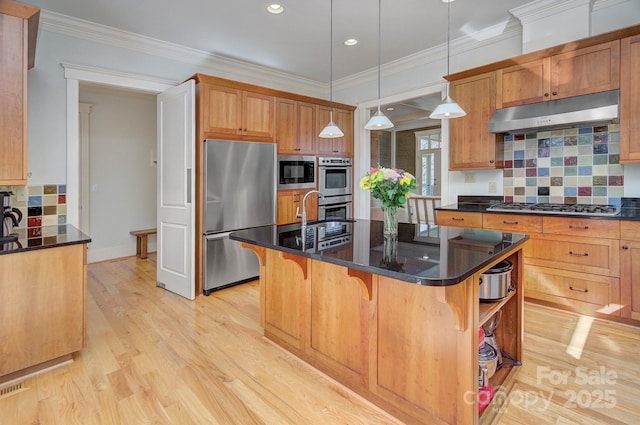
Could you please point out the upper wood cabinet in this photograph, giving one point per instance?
(237, 114)
(295, 127)
(472, 147)
(630, 100)
(588, 70)
(340, 146)
(18, 31)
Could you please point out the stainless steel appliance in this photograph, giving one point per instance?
(296, 172)
(239, 193)
(11, 218)
(335, 176)
(597, 108)
(495, 283)
(335, 207)
(562, 209)
(318, 236)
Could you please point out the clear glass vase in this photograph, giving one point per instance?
(390, 235)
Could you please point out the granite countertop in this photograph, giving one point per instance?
(630, 209)
(437, 256)
(52, 237)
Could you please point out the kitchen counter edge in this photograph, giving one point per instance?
(450, 281)
(631, 214)
(65, 235)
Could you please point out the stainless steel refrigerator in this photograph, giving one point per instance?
(240, 193)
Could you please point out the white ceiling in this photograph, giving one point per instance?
(296, 41)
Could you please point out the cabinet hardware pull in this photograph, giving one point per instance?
(509, 222)
(457, 219)
(571, 226)
(578, 290)
(625, 247)
(586, 254)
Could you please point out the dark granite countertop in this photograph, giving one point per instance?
(52, 237)
(437, 256)
(630, 209)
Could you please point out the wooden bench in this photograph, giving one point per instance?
(141, 241)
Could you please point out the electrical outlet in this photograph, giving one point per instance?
(21, 194)
(493, 187)
(469, 177)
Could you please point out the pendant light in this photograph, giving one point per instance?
(379, 121)
(448, 108)
(331, 131)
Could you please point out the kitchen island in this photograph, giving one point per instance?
(402, 335)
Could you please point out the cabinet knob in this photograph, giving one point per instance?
(491, 161)
(625, 247)
(546, 95)
(555, 93)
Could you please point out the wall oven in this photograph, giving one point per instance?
(296, 172)
(335, 208)
(335, 176)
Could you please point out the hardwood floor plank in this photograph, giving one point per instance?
(154, 357)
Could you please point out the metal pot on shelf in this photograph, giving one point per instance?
(495, 283)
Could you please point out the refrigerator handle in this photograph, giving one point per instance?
(217, 236)
(188, 185)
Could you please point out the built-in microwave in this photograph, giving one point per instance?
(296, 172)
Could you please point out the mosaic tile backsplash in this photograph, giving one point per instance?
(44, 212)
(570, 166)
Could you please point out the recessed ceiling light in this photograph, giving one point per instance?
(275, 8)
(350, 42)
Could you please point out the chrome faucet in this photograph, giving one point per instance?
(304, 207)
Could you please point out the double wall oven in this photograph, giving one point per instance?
(335, 182)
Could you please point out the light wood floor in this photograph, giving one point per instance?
(155, 358)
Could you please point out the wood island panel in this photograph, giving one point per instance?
(410, 349)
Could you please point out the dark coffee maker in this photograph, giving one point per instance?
(11, 218)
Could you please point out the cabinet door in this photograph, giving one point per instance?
(295, 127)
(630, 279)
(340, 146)
(286, 126)
(589, 70)
(221, 110)
(258, 116)
(13, 101)
(630, 100)
(290, 201)
(523, 84)
(472, 147)
(306, 141)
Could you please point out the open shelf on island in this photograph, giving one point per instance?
(489, 309)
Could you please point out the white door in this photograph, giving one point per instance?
(176, 189)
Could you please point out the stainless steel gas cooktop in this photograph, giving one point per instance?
(566, 209)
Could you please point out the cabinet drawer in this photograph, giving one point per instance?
(577, 291)
(630, 230)
(609, 229)
(599, 256)
(459, 219)
(515, 223)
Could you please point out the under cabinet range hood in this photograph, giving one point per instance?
(597, 108)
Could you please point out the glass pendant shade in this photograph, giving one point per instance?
(448, 108)
(378, 121)
(331, 131)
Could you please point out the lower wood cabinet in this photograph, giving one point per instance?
(459, 219)
(630, 269)
(290, 201)
(42, 306)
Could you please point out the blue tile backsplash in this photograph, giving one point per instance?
(569, 166)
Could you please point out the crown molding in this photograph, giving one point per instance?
(541, 9)
(488, 36)
(605, 4)
(217, 64)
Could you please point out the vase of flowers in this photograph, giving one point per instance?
(391, 186)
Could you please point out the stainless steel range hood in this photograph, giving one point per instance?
(597, 108)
